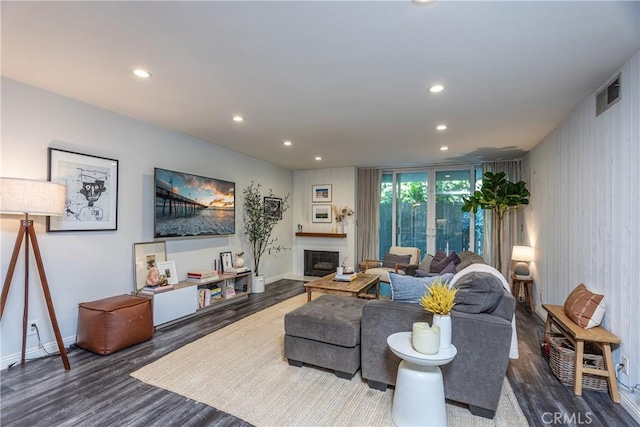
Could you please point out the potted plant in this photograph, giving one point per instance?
(439, 299)
(500, 196)
(260, 217)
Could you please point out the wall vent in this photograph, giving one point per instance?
(608, 96)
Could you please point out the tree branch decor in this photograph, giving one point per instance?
(258, 224)
(500, 196)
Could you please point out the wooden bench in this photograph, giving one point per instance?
(598, 336)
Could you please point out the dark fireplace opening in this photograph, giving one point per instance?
(320, 263)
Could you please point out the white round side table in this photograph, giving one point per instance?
(418, 399)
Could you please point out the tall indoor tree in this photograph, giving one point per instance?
(500, 196)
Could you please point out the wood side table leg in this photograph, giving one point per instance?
(611, 370)
(578, 363)
(529, 295)
(377, 289)
(308, 295)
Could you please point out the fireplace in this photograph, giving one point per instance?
(320, 263)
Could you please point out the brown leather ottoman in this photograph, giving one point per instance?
(111, 324)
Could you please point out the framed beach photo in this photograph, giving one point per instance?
(92, 191)
(168, 270)
(321, 193)
(147, 256)
(226, 259)
(321, 213)
(273, 208)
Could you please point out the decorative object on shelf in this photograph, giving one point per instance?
(524, 255)
(321, 193)
(425, 338)
(273, 208)
(299, 228)
(169, 271)
(439, 299)
(321, 213)
(29, 197)
(258, 227)
(92, 191)
(146, 257)
(500, 196)
(238, 260)
(226, 260)
(342, 214)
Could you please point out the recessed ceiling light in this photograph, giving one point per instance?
(288, 143)
(318, 158)
(143, 74)
(444, 148)
(422, 2)
(441, 127)
(436, 88)
(238, 119)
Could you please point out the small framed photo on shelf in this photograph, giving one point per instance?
(273, 208)
(321, 213)
(168, 270)
(146, 257)
(226, 260)
(321, 193)
(92, 191)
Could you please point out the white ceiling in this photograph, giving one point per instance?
(343, 80)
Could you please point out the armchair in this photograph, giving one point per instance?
(374, 266)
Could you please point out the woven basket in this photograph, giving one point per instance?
(561, 360)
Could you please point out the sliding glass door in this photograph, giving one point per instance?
(422, 208)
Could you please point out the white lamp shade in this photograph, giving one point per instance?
(27, 196)
(522, 253)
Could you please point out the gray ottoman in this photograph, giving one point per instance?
(325, 332)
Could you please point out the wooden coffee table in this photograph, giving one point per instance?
(354, 288)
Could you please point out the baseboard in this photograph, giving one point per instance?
(278, 277)
(35, 352)
(631, 403)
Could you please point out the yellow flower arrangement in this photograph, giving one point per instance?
(439, 298)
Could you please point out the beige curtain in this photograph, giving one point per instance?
(513, 222)
(368, 213)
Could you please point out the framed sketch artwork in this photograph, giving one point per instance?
(273, 208)
(321, 193)
(226, 260)
(321, 213)
(92, 191)
(168, 270)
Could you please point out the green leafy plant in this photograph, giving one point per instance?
(501, 196)
(258, 224)
(439, 297)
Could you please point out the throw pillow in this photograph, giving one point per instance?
(411, 289)
(584, 307)
(478, 293)
(439, 256)
(390, 260)
(451, 268)
(467, 258)
(441, 265)
(423, 273)
(425, 264)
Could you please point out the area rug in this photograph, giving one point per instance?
(241, 370)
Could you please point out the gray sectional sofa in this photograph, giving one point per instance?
(481, 335)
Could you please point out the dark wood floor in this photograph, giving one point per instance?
(98, 390)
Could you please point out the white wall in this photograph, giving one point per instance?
(584, 216)
(85, 266)
(343, 181)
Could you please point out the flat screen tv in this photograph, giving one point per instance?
(188, 205)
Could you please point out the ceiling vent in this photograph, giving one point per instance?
(608, 96)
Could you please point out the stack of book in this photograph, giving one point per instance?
(231, 292)
(216, 293)
(204, 298)
(236, 270)
(345, 277)
(202, 276)
(150, 290)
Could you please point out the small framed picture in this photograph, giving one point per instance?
(146, 257)
(92, 191)
(321, 213)
(226, 260)
(168, 270)
(321, 193)
(273, 208)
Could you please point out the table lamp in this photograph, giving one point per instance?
(524, 255)
(30, 197)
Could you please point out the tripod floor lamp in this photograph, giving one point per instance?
(29, 197)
